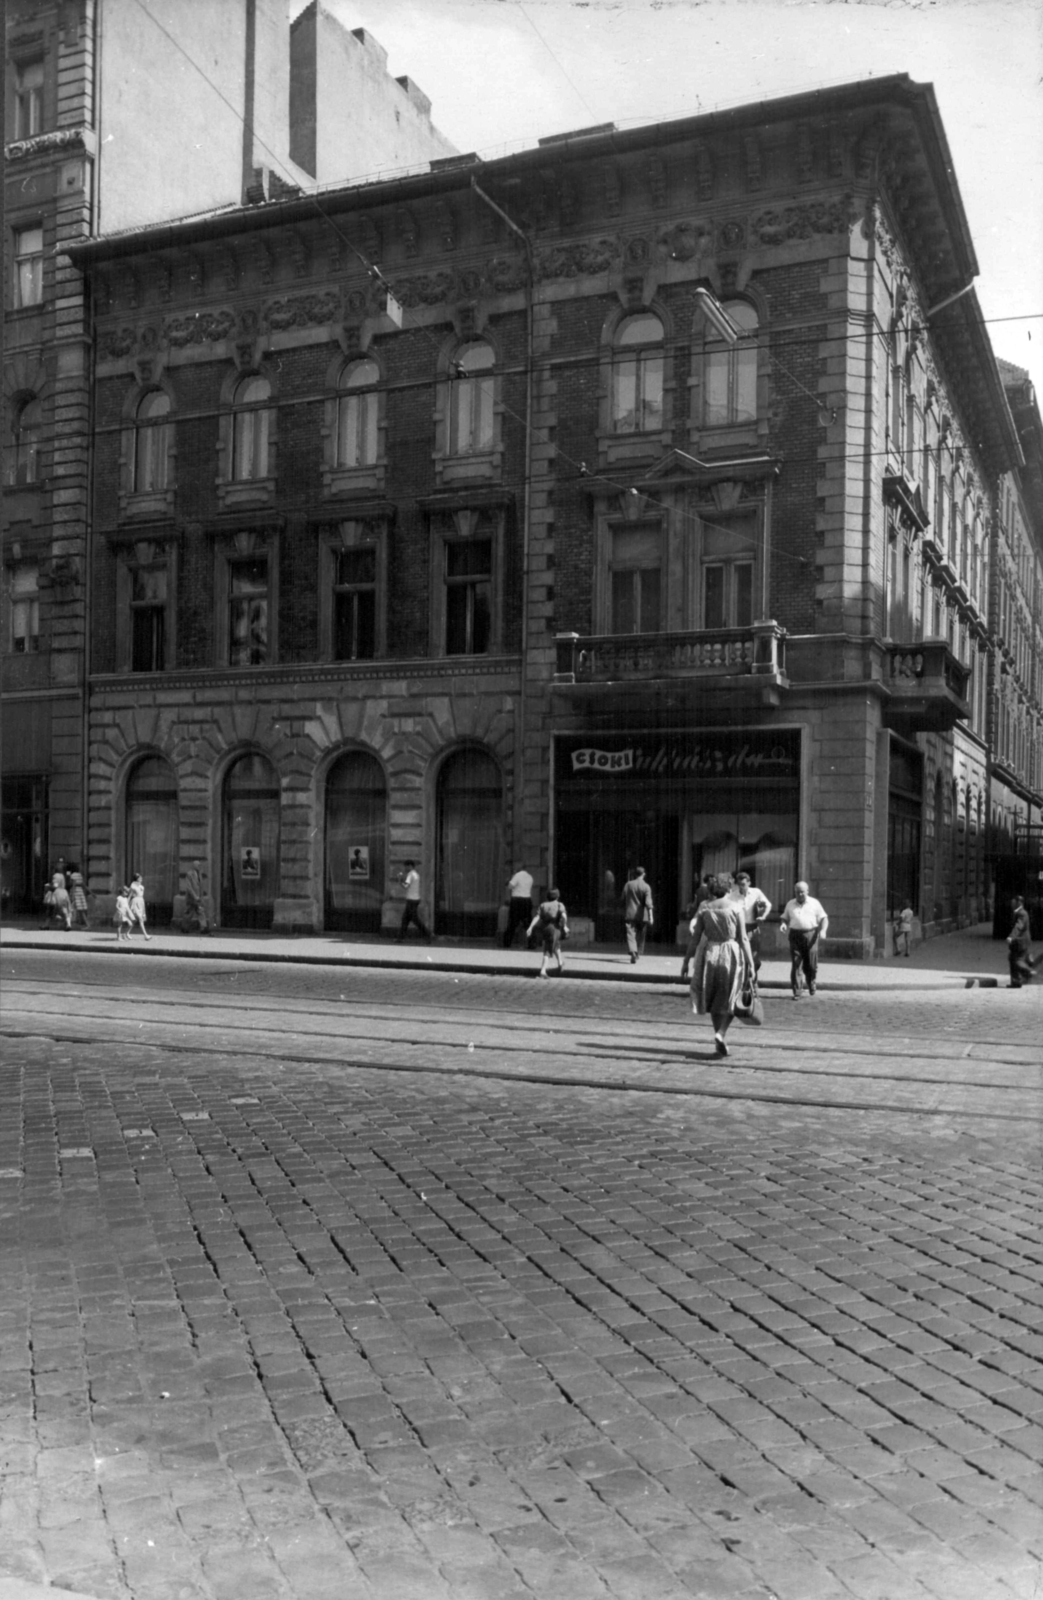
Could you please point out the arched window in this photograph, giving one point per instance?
(470, 845)
(356, 833)
(730, 371)
(151, 834)
(250, 843)
(250, 424)
(637, 375)
(151, 439)
(26, 443)
(471, 395)
(357, 414)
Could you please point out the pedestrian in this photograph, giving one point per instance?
(551, 924)
(723, 958)
(78, 896)
(59, 906)
(806, 922)
(702, 894)
(121, 916)
(903, 929)
(638, 913)
(195, 899)
(136, 896)
(756, 908)
(1019, 946)
(519, 904)
(409, 878)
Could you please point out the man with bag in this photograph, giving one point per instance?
(637, 912)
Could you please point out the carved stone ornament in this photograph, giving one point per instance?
(578, 260)
(637, 251)
(782, 223)
(505, 273)
(303, 311)
(732, 235)
(686, 240)
(426, 289)
(356, 302)
(117, 343)
(205, 327)
(46, 144)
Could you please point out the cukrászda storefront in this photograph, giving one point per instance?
(680, 804)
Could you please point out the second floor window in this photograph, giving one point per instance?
(248, 612)
(357, 415)
(637, 376)
(250, 425)
(28, 100)
(728, 594)
(151, 438)
(26, 440)
(148, 610)
(730, 371)
(24, 590)
(355, 604)
(471, 395)
(468, 596)
(28, 266)
(636, 580)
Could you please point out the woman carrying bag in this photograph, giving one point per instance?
(723, 967)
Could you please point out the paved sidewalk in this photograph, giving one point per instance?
(970, 956)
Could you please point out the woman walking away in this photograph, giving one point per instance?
(58, 904)
(121, 916)
(723, 958)
(137, 904)
(1019, 944)
(78, 895)
(551, 922)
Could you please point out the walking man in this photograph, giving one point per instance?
(755, 908)
(637, 912)
(410, 881)
(806, 922)
(519, 909)
(195, 899)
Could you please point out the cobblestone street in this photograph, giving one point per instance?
(413, 1286)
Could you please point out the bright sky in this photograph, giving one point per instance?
(501, 74)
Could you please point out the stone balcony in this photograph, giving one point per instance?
(928, 687)
(741, 664)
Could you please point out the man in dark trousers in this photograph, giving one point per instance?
(519, 902)
(637, 912)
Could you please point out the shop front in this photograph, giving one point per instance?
(679, 803)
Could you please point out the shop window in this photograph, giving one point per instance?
(24, 451)
(730, 371)
(250, 428)
(637, 375)
(148, 619)
(471, 397)
(470, 874)
(151, 834)
(356, 836)
(635, 578)
(248, 610)
(250, 843)
(357, 415)
(151, 442)
(24, 593)
(28, 99)
(28, 266)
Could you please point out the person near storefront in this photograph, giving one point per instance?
(638, 912)
(806, 922)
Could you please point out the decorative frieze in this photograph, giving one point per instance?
(58, 142)
(780, 224)
(302, 311)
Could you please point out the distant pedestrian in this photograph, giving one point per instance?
(1019, 946)
(638, 912)
(519, 905)
(723, 958)
(409, 878)
(806, 922)
(702, 894)
(550, 925)
(136, 895)
(78, 896)
(756, 908)
(121, 916)
(59, 906)
(903, 930)
(196, 914)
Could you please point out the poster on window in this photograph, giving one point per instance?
(358, 861)
(249, 862)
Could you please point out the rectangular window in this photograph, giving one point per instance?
(25, 608)
(355, 605)
(468, 596)
(148, 609)
(248, 612)
(250, 445)
(728, 594)
(28, 266)
(635, 580)
(472, 416)
(28, 100)
(730, 377)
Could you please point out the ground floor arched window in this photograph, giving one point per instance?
(355, 872)
(250, 843)
(470, 869)
(151, 835)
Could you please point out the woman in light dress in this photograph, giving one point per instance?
(137, 904)
(723, 958)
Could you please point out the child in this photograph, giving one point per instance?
(78, 895)
(122, 918)
(903, 929)
(552, 923)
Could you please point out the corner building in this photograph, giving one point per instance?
(538, 556)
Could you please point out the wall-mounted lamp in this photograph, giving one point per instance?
(716, 315)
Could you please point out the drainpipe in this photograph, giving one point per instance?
(521, 717)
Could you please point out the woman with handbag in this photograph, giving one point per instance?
(723, 963)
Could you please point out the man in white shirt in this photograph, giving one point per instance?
(410, 881)
(519, 908)
(755, 908)
(806, 922)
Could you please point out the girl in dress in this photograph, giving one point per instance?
(121, 916)
(78, 896)
(137, 904)
(723, 958)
